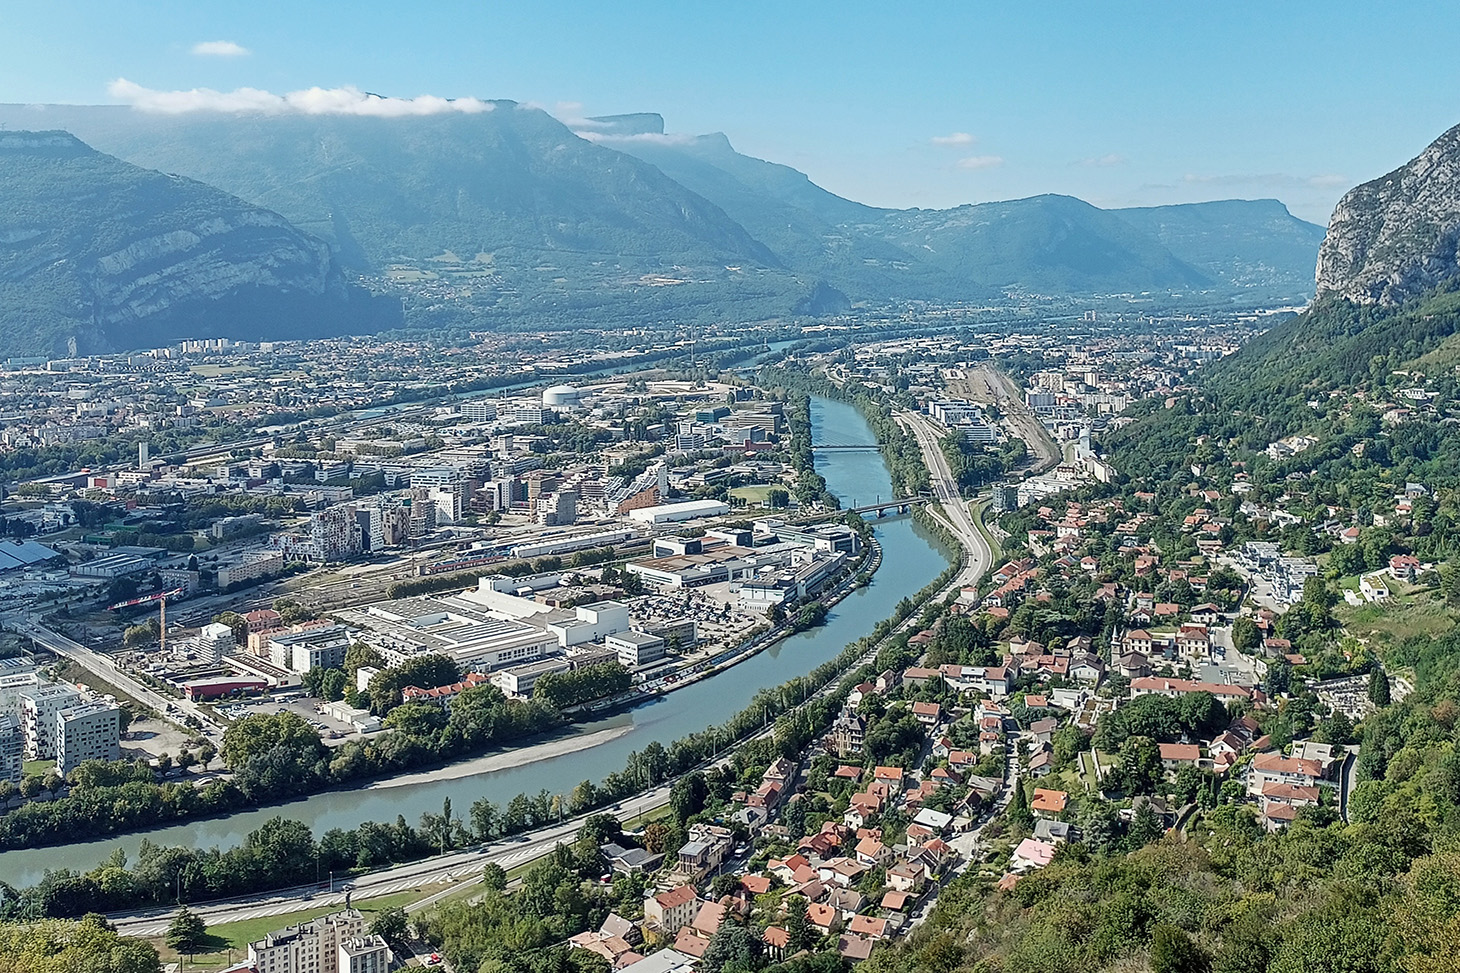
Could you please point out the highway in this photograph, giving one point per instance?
(455, 867)
(105, 667)
(979, 553)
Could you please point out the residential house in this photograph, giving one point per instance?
(668, 912)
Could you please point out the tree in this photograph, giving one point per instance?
(494, 877)
(688, 795)
(359, 655)
(731, 948)
(186, 931)
(1019, 813)
(1279, 677)
(1173, 951)
(1379, 687)
(1245, 636)
(392, 925)
(799, 934)
(52, 945)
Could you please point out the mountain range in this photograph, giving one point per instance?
(509, 217)
(107, 254)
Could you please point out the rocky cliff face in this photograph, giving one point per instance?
(1399, 235)
(117, 256)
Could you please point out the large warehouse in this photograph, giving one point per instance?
(669, 513)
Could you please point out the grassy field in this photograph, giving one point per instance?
(1417, 612)
(759, 493)
(72, 672)
(235, 936)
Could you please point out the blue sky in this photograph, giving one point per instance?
(926, 104)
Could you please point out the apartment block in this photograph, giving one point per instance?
(91, 731)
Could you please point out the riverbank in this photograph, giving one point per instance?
(910, 558)
(571, 743)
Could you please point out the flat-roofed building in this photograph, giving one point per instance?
(91, 731)
(323, 646)
(363, 954)
(12, 749)
(310, 947)
(474, 636)
(38, 708)
(637, 649)
(520, 680)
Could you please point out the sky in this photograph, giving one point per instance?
(929, 104)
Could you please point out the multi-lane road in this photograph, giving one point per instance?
(105, 667)
(455, 868)
(978, 553)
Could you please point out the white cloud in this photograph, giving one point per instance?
(957, 138)
(658, 138)
(1103, 161)
(981, 162)
(311, 101)
(220, 49)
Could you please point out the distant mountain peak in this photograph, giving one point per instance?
(1397, 236)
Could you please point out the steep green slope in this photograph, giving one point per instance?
(1043, 245)
(1251, 244)
(115, 256)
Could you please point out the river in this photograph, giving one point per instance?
(911, 558)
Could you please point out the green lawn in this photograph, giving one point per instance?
(236, 936)
(37, 768)
(759, 493)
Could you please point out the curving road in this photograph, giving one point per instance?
(106, 667)
(978, 553)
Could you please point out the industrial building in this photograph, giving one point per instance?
(637, 649)
(669, 513)
(468, 632)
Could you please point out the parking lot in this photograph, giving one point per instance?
(331, 730)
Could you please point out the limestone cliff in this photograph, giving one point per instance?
(1397, 236)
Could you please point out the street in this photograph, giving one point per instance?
(105, 667)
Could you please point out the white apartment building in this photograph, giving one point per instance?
(38, 709)
(91, 731)
(311, 947)
(363, 954)
(323, 646)
(11, 686)
(252, 566)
